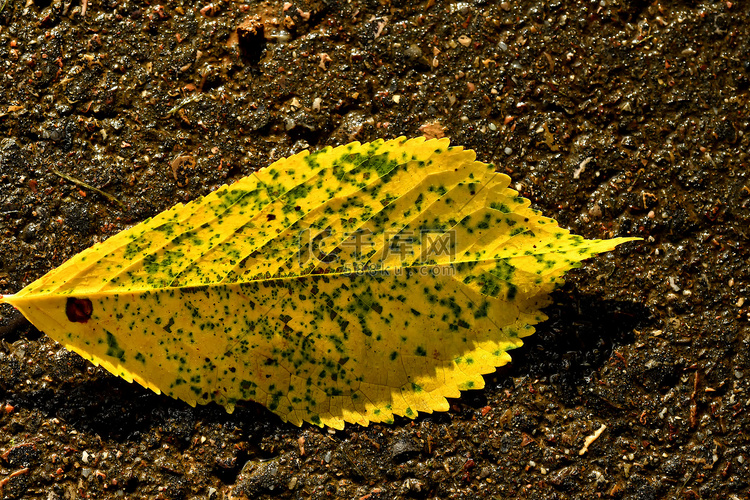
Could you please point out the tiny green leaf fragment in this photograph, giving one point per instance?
(352, 284)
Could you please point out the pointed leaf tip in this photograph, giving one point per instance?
(352, 284)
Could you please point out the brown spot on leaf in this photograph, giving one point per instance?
(78, 310)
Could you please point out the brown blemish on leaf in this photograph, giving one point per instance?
(78, 310)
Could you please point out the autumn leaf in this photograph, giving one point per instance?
(349, 285)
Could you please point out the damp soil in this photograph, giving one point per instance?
(617, 118)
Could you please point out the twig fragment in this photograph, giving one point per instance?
(590, 439)
(87, 186)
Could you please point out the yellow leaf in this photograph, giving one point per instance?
(348, 285)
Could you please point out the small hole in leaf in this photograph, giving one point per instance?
(78, 310)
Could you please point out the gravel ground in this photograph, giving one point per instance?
(618, 118)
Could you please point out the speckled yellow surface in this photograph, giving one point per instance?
(348, 285)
